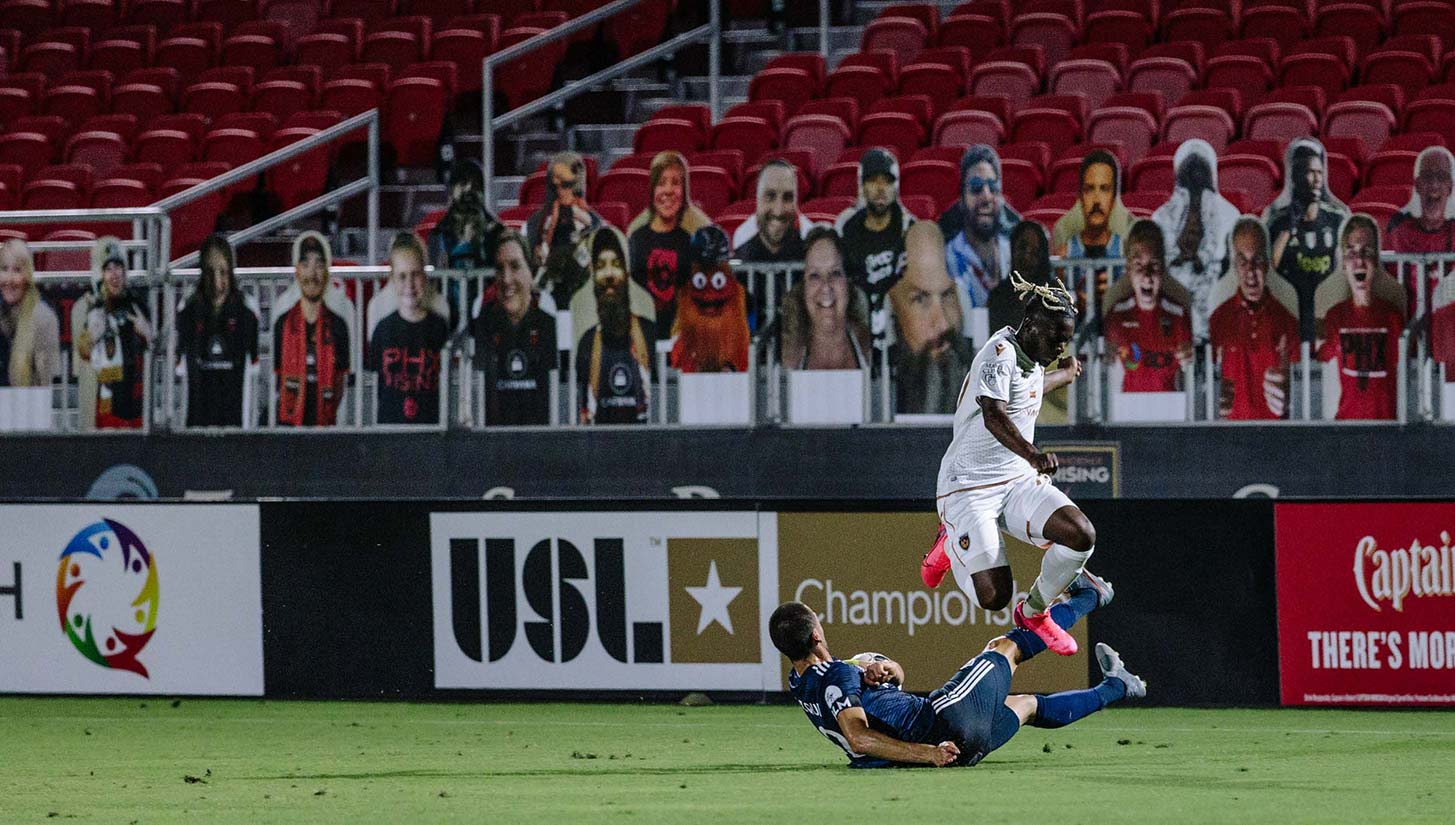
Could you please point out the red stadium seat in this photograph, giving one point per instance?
(1170, 77)
(660, 134)
(1250, 76)
(167, 79)
(1134, 128)
(54, 127)
(1390, 167)
(1369, 121)
(1052, 32)
(917, 106)
(282, 98)
(118, 193)
(74, 103)
(792, 86)
(841, 178)
(466, 48)
(122, 125)
(843, 108)
(1430, 116)
(1151, 174)
(327, 50)
(938, 179)
(997, 78)
(148, 175)
(1207, 122)
(1095, 80)
(350, 97)
(1342, 174)
(967, 127)
(366, 10)
(899, 132)
(1229, 100)
(1411, 71)
(1254, 174)
(301, 178)
(1112, 53)
(712, 187)
(239, 76)
(1020, 180)
(50, 59)
(1426, 18)
(769, 111)
(190, 56)
(417, 107)
(263, 123)
(1032, 151)
(227, 12)
(810, 62)
(74, 173)
(1311, 97)
(392, 48)
(1263, 48)
(1206, 26)
(629, 186)
(260, 52)
(447, 74)
(926, 13)
(933, 80)
(1125, 27)
(164, 14)
(864, 84)
(1282, 122)
(96, 15)
(1326, 71)
(639, 28)
(883, 60)
(824, 137)
(901, 35)
(728, 160)
(1362, 23)
(1030, 54)
(102, 151)
(118, 56)
(752, 135)
(143, 100)
(52, 194)
(975, 32)
(529, 76)
(1056, 127)
(167, 147)
(1285, 26)
(213, 100)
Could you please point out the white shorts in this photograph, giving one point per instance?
(975, 516)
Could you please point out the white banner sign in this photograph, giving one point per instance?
(130, 599)
(636, 601)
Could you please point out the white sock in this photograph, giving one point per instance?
(1059, 567)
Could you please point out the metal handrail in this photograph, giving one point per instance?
(712, 30)
(252, 168)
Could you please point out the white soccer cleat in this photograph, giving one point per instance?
(1112, 668)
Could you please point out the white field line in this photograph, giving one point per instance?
(267, 720)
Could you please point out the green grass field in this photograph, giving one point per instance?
(146, 761)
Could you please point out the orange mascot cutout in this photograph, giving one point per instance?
(712, 314)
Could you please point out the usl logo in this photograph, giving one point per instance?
(711, 600)
(106, 595)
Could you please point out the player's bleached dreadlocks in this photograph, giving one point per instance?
(1054, 298)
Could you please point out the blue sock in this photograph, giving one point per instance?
(1061, 709)
(1064, 614)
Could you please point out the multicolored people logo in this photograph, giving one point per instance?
(94, 592)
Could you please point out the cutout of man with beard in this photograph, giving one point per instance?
(977, 228)
(873, 233)
(1303, 225)
(1094, 227)
(712, 315)
(932, 354)
(614, 358)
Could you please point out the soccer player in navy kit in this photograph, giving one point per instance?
(858, 705)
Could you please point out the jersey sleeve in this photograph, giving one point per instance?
(1329, 349)
(842, 688)
(993, 380)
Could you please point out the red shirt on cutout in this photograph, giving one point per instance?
(1147, 342)
(1365, 343)
(1250, 340)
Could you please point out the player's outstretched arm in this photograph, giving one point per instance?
(998, 422)
(1067, 370)
(864, 739)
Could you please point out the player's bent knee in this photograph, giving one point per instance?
(1082, 535)
(992, 597)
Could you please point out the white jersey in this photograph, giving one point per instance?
(1000, 371)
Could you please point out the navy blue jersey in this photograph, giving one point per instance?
(827, 688)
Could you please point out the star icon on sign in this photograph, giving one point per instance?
(714, 599)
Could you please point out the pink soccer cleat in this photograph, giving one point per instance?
(1056, 638)
(936, 564)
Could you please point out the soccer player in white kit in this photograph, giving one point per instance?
(993, 478)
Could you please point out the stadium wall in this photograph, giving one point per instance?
(865, 463)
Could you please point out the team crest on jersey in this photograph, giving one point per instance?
(965, 542)
(999, 348)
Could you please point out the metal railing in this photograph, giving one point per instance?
(462, 391)
(253, 168)
(711, 31)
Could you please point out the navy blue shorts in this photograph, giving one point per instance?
(970, 708)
